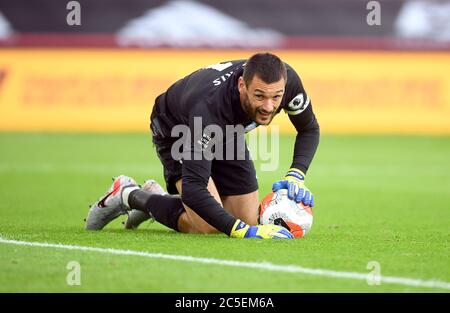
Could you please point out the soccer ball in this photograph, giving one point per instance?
(276, 208)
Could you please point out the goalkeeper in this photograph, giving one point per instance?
(208, 193)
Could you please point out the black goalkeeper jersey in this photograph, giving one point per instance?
(212, 94)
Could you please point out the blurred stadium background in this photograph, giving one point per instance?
(74, 108)
(105, 73)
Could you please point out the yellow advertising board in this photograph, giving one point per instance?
(114, 90)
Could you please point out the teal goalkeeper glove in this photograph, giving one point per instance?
(294, 182)
(268, 231)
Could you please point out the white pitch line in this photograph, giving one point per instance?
(254, 265)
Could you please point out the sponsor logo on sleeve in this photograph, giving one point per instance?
(298, 104)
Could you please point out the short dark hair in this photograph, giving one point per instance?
(268, 67)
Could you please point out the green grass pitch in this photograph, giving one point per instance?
(378, 198)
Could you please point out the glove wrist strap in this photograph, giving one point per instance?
(295, 173)
(239, 229)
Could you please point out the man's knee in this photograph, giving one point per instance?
(187, 223)
(205, 228)
(192, 221)
(244, 207)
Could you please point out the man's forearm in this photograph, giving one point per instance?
(200, 200)
(305, 147)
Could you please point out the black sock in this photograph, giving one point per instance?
(166, 209)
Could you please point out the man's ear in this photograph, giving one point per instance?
(241, 84)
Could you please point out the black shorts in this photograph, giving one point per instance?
(231, 177)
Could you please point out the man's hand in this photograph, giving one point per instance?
(269, 231)
(294, 182)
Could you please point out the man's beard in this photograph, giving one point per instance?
(248, 109)
(251, 112)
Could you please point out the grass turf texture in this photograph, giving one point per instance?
(378, 198)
